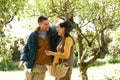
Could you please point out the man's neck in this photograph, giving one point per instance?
(43, 31)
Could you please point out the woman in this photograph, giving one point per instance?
(64, 50)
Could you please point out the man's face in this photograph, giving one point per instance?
(44, 25)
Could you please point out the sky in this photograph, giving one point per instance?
(18, 28)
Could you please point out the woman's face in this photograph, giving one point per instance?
(60, 30)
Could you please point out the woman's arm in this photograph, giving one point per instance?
(67, 49)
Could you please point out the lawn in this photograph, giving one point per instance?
(94, 73)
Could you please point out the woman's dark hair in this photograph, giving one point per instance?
(42, 18)
(65, 25)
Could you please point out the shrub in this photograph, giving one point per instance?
(112, 58)
(98, 62)
(109, 59)
(75, 59)
(10, 66)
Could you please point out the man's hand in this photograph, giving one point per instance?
(70, 16)
(21, 64)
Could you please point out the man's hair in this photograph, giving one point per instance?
(42, 18)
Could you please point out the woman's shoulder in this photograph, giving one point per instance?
(69, 38)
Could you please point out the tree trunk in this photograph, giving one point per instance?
(83, 71)
(84, 75)
(80, 46)
(82, 66)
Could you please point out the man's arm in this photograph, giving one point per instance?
(69, 22)
(23, 56)
(25, 51)
(55, 38)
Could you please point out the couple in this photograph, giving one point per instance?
(44, 43)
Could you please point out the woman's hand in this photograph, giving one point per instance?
(48, 53)
(51, 53)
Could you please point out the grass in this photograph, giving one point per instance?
(101, 72)
(94, 73)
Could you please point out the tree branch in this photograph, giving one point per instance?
(9, 20)
(95, 57)
(79, 32)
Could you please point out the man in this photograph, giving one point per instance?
(33, 55)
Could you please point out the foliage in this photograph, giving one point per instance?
(112, 59)
(9, 9)
(76, 59)
(11, 66)
(16, 48)
(109, 59)
(5, 51)
(99, 62)
(118, 37)
(114, 46)
(9, 52)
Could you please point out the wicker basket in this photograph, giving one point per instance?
(57, 71)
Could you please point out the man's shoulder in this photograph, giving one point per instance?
(53, 32)
(52, 27)
(33, 33)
